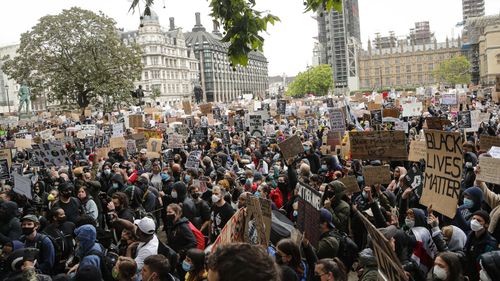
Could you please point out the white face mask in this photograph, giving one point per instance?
(324, 167)
(475, 225)
(174, 194)
(215, 198)
(439, 273)
(409, 222)
(483, 275)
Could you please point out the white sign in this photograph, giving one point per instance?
(118, 130)
(256, 125)
(412, 109)
(88, 130)
(22, 185)
(337, 122)
(475, 121)
(449, 98)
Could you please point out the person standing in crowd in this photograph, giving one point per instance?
(194, 265)
(32, 239)
(10, 226)
(71, 205)
(156, 268)
(221, 212)
(88, 204)
(125, 269)
(330, 270)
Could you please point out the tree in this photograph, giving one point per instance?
(155, 94)
(78, 58)
(453, 71)
(243, 24)
(316, 81)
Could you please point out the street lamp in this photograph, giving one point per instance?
(7, 93)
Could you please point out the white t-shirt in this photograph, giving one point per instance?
(145, 250)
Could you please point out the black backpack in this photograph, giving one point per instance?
(168, 252)
(348, 250)
(107, 262)
(62, 250)
(38, 245)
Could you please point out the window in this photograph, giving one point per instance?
(430, 66)
(155, 74)
(152, 49)
(387, 70)
(398, 80)
(154, 60)
(398, 69)
(146, 75)
(408, 68)
(419, 67)
(408, 79)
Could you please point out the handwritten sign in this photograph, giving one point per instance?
(486, 142)
(118, 130)
(381, 145)
(412, 109)
(350, 183)
(7, 155)
(418, 150)
(291, 147)
(489, 170)
(206, 108)
(376, 175)
(308, 209)
(281, 107)
(388, 263)
(443, 171)
(135, 121)
(117, 142)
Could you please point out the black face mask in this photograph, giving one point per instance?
(195, 195)
(170, 219)
(279, 259)
(27, 230)
(65, 194)
(61, 219)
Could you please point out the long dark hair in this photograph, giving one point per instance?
(197, 257)
(454, 265)
(288, 247)
(335, 266)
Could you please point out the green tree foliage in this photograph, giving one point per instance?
(155, 94)
(453, 71)
(78, 58)
(316, 81)
(243, 24)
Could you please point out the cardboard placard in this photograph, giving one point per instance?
(486, 142)
(418, 150)
(489, 170)
(87, 113)
(443, 171)
(175, 141)
(154, 147)
(308, 218)
(149, 110)
(118, 130)
(148, 134)
(376, 175)
(291, 147)
(206, 108)
(255, 228)
(135, 121)
(117, 142)
(193, 160)
(23, 143)
(281, 107)
(436, 123)
(390, 112)
(464, 119)
(7, 155)
(102, 152)
(388, 263)
(350, 183)
(380, 145)
(4, 169)
(374, 106)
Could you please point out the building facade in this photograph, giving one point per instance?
(404, 66)
(339, 38)
(169, 65)
(472, 8)
(219, 81)
(489, 55)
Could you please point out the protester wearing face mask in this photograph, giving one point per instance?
(117, 184)
(105, 177)
(221, 212)
(450, 238)
(68, 203)
(473, 196)
(312, 157)
(32, 239)
(194, 265)
(63, 230)
(202, 215)
(479, 241)
(179, 196)
(10, 226)
(447, 267)
(179, 235)
(490, 266)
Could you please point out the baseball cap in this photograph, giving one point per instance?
(326, 216)
(146, 225)
(32, 218)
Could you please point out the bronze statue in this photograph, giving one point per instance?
(24, 97)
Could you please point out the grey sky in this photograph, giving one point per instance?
(289, 43)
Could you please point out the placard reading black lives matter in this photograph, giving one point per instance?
(443, 171)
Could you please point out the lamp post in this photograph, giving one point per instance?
(7, 94)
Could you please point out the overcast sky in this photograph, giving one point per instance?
(289, 43)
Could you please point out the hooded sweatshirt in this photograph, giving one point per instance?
(10, 227)
(339, 208)
(86, 235)
(188, 206)
(464, 214)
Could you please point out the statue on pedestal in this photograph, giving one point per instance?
(24, 97)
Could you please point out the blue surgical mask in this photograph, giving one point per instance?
(187, 178)
(306, 148)
(186, 266)
(295, 213)
(409, 223)
(468, 203)
(364, 194)
(257, 194)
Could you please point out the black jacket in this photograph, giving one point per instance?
(180, 237)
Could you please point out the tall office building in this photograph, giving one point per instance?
(472, 8)
(339, 37)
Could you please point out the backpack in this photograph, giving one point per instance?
(107, 263)
(168, 252)
(348, 250)
(200, 238)
(62, 250)
(39, 245)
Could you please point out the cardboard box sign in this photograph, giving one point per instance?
(379, 145)
(291, 147)
(391, 112)
(376, 175)
(418, 150)
(186, 105)
(135, 121)
(486, 142)
(489, 170)
(350, 183)
(442, 181)
(206, 108)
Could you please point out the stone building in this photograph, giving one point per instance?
(169, 65)
(489, 54)
(405, 65)
(219, 81)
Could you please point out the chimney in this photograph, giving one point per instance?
(172, 23)
(198, 27)
(198, 19)
(216, 28)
